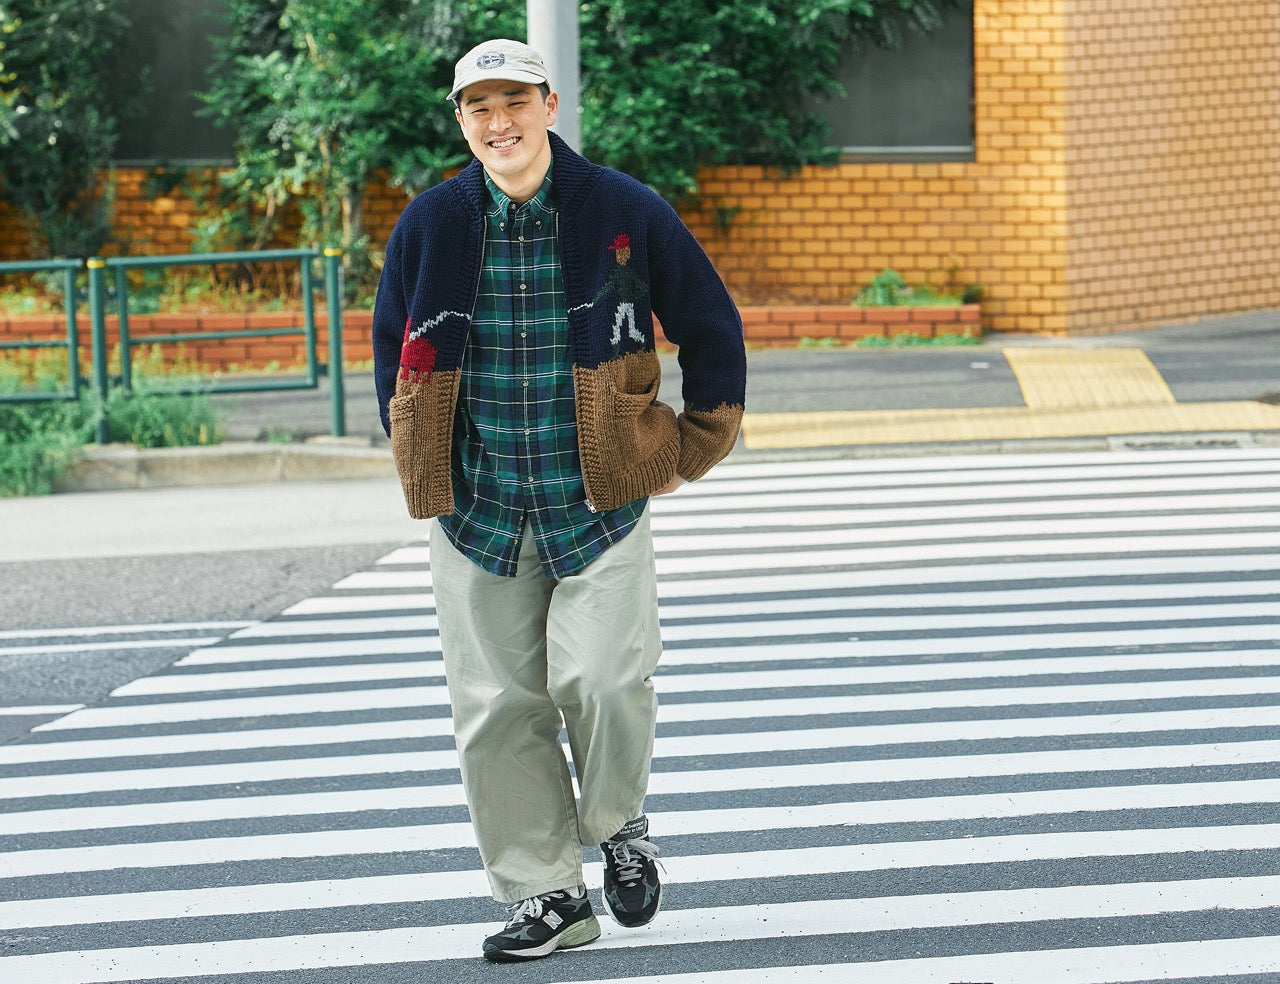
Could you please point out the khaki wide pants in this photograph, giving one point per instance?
(522, 653)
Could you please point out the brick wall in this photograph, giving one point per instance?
(1173, 123)
(13, 239)
(288, 351)
(762, 326)
(1123, 177)
(999, 221)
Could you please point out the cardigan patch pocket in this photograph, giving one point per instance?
(410, 447)
(639, 425)
(400, 411)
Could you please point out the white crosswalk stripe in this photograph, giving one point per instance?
(1000, 718)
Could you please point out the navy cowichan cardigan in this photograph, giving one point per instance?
(626, 257)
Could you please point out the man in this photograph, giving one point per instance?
(517, 378)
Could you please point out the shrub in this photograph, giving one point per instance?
(150, 418)
(888, 289)
(153, 415)
(38, 440)
(55, 135)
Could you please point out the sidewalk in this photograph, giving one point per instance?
(1212, 383)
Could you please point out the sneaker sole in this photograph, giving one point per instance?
(579, 934)
(632, 925)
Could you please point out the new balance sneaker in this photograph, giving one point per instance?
(543, 924)
(632, 892)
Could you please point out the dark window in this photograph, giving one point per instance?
(914, 102)
(166, 64)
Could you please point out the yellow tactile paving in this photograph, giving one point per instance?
(805, 430)
(1067, 378)
(1069, 393)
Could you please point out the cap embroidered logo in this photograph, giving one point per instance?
(491, 59)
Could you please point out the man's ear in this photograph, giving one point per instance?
(553, 104)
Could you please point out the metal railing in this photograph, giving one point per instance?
(71, 343)
(119, 266)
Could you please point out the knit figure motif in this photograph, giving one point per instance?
(629, 288)
(418, 355)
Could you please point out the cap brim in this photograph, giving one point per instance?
(510, 75)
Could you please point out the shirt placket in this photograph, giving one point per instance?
(525, 300)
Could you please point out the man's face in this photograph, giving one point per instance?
(505, 124)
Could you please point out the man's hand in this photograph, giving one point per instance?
(671, 486)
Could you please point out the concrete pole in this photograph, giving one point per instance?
(553, 32)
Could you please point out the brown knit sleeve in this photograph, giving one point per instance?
(705, 438)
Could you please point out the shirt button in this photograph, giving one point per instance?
(524, 334)
(530, 479)
(526, 432)
(524, 286)
(521, 238)
(526, 382)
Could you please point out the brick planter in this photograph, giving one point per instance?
(783, 326)
(768, 326)
(286, 350)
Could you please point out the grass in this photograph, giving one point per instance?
(40, 439)
(907, 340)
(888, 289)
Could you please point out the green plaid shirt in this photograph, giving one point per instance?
(515, 442)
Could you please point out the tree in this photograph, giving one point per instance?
(321, 94)
(668, 88)
(55, 135)
(324, 93)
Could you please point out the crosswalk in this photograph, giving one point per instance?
(969, 719)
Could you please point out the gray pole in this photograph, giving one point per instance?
(553, 31)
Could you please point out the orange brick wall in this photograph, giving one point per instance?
(763, 327)
(999, 221)
(288, 351)
(1173, 129)
(14, 244)
(1124, 176)
(150, 225)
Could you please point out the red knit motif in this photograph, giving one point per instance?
(417, 357)
(620, 241)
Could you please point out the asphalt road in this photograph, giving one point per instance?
(1228, 359)
(1004, 718)
(137, 561)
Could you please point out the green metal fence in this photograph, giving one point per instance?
(70, 344)
(98, 270)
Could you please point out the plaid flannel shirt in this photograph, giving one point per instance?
(515, 444)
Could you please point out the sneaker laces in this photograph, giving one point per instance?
(630, 855)
(531, 908)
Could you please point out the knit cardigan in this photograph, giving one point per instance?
(626, 257)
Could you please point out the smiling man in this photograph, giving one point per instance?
(524, 422)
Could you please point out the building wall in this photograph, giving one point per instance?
(1124, 176)
(1173, 128)
(999, 221)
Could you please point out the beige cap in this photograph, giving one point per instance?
(500, 58)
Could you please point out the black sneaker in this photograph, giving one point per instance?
(632, 892)
(543, 924)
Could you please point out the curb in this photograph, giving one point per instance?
(1043, 445)
(123, 467)
(117, 467)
